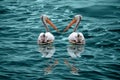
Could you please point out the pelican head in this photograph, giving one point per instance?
(46, 21)
(76, 20)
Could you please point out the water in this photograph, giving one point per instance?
(22, 59)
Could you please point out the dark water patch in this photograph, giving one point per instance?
(21, 19)
(117, 48)
(1, 0)
(114, 30)
(2, 28)
(42, 79)
(88, 56)
(8, 16)
(98, 30)
(4, 77)
(25, 42)
(87, 35)
(3, 10)
(15, 64)
(111, 71)
(48, 6)
(113, 66)
(106, 40)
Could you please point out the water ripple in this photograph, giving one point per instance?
(21, 57)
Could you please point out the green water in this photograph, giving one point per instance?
(22, 59)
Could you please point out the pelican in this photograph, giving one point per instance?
(75, 37)
(47, 37)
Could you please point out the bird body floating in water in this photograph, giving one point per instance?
(75, 37)
(47, 37)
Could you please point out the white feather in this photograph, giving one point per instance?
(73, 37)
(48, 36)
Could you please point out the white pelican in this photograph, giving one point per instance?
(75, 37)
(47, 37)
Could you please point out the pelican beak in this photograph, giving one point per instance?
(71, 23)
(51, 24)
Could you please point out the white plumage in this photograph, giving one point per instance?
(76, 37)
(45, 38)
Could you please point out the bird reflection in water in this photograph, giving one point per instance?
(49, 68)
(74, 51)
(47, 51)
(74, 70)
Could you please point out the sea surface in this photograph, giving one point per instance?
(21, 58)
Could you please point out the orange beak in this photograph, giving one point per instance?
(51, 24)
(71, 23)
